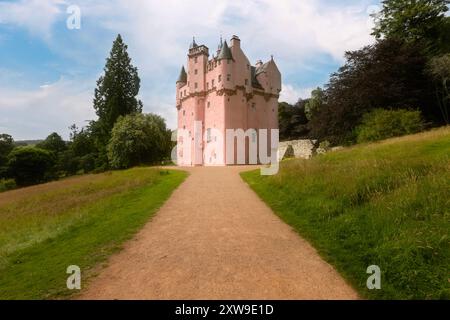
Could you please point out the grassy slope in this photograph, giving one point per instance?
(386, 204)
(80, 221)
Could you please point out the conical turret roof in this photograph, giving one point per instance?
(183, 76)
(225, 52)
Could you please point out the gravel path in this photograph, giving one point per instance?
(215, 239)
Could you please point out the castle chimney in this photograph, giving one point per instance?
(235, 42)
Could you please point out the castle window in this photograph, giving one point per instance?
(184, 112)
(195, 85)
(220, 78)
(208, 135)
(246, 82)
(228, 77)
(181, 94)
(209, 104)
(185, 92)
(195, 60)
(253, 106)
(195, 71)
(212, 82)
(207, 85)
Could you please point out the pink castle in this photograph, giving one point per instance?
(224, 92)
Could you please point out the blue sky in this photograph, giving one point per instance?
(48, 72)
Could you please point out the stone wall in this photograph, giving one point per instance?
(304, 148)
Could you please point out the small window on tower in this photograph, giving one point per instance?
(195, 85)
(220, 78)
(184, 112)
(195, 60)
(185, 92)
(209, 104)
(212, 82)
(195, 71)
(207, 85)
(246, 82)
(228, 77)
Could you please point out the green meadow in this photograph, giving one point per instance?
(385, 204)
(77, 221)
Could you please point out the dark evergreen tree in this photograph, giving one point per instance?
(116, 90)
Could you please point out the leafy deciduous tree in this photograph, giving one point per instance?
(30, 165)
(138, 139)
(411, 20)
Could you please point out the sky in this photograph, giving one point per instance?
(48, 71)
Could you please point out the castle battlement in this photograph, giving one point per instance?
(223, 92)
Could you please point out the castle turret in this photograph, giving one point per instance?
(225, 52)
(181, 82)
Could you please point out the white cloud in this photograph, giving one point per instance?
(33, 114)
(291, 93)
(37, 16)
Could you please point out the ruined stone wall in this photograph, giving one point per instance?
(304, 148)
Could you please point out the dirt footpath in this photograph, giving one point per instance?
(215, 239)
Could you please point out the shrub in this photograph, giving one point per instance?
(7, 184)
(381, 124)
(30, 165)
(138, 139)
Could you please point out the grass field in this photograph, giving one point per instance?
(385, 204)
(77, 221)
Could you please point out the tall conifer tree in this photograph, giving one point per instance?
(116, 90)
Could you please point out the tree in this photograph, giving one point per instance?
(381, 124)
(292, 120)
(439, 69)
(30, 165)
(6, 146)
(411, 20)
(53, 143)
(389, 74)
(315, 103)
(138, 139)
(116, 90)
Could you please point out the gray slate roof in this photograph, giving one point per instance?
(225, 52)
(183, 76)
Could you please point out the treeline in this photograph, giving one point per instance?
(396, 86)
(121, 137)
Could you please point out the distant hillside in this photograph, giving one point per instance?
(27, 142)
